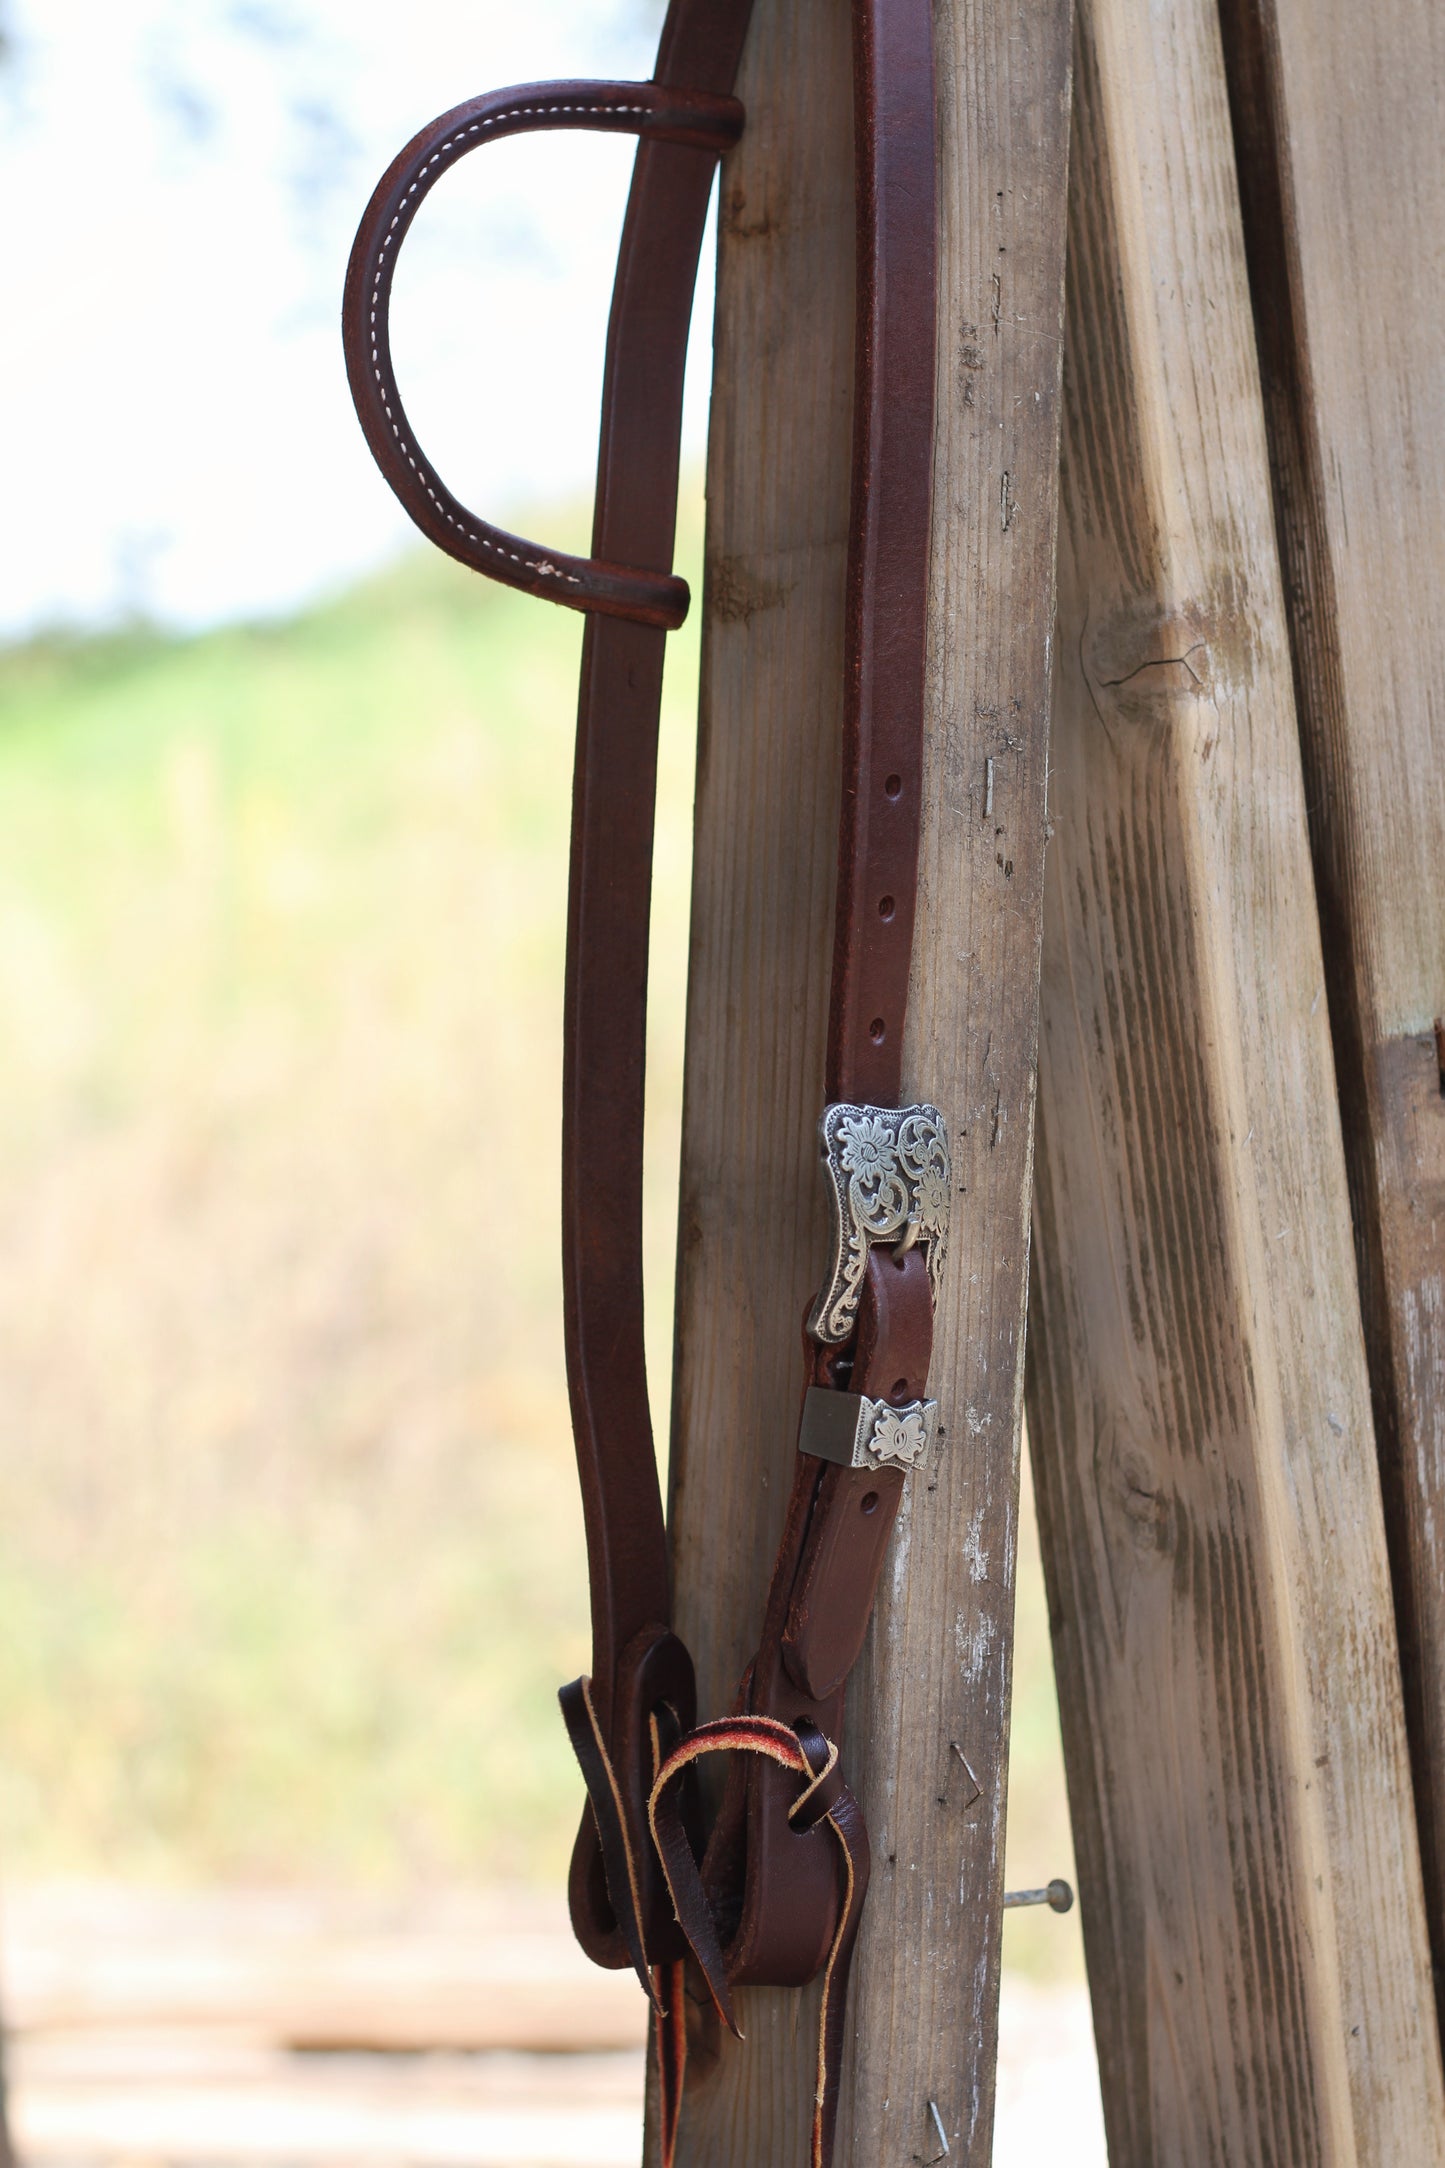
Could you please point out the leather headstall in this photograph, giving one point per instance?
(773, 1892)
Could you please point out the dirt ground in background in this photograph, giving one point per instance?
(464, 2031)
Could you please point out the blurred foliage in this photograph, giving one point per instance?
(290, 1557)
(290, 1564)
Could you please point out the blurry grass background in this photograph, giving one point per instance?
(290, 1556)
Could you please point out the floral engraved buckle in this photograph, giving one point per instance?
(889, 1179)
(858, 1432)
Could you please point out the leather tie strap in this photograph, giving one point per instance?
(824, 1800)
(774, 1892)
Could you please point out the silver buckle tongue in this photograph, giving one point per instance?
(861, 1433)
(889, 1180)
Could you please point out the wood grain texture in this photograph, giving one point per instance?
(930, 1698)
(1342, 168)
(1199, 1405)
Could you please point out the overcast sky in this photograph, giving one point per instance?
(185, 177)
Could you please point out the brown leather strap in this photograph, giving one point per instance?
(605, 1013)
(684, 117)
(775, 1897)
(669, 2054)
(768, 1902)
(893, 98)
(839, 1520)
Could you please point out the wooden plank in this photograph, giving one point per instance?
(1199, 1405)
(301, 1970)
(184, 2096)
(930, 1701)
(1342, 165)
(157, 2025)
(186, 2101)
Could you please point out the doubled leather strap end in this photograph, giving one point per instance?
(621, 1912)
(622, 1861)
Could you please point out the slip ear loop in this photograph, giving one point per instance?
(824, 1797)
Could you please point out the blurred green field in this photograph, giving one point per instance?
(290, 1562)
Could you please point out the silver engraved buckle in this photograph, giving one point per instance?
(889, 1180)
(857, 1432)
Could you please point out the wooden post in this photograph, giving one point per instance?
(1199, 1406)
(927, 1734)
(1342, 166)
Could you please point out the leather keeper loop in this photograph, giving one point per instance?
(818, 1801)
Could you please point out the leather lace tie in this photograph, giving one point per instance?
(773, 1892)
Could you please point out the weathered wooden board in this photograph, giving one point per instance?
(1199, 1405)
(480, 1972)
(159, 2026)
(928, 1721)
(1342, 165)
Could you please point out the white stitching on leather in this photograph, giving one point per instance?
(541, 566)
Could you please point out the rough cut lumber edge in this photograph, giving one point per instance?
(1342, 170)
(1199, 1407)
(930, 1759)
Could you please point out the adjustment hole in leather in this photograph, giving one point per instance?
(900, 1389)
(877, 1031)
(886, 907)
(893, 786)
(868, 1503)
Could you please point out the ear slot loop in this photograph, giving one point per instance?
(692, 119)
